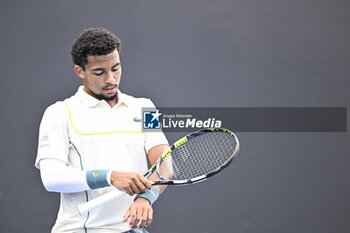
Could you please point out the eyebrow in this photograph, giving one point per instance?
(99, 69)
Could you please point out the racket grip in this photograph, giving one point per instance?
(100, 201)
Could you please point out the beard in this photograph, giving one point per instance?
(107, 97)
(104, 97)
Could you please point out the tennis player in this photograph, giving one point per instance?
(91, 143)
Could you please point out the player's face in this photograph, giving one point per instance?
(101, 76)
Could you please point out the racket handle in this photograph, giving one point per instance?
(100, 201)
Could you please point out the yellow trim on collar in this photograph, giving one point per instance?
(94, 133)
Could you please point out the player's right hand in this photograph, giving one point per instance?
(130, 182)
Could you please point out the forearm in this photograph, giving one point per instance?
(161, 188)
(58, 177)
(153, 194)
(153, 156)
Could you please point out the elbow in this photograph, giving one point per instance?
(49, 186)
(49, 173)
(46, 178)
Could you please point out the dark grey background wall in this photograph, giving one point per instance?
(186, 54)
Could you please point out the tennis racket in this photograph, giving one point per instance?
(192, 159)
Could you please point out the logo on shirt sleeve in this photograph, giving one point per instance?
(44, 138)
(44, 141)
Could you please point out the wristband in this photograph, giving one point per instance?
(150, 194)
(97, 179)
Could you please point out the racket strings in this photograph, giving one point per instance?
(200, 155)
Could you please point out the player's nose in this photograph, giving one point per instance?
(110, 77)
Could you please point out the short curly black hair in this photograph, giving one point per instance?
(93, 41)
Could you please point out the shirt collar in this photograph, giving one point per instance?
(91, 101)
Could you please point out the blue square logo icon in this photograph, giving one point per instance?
(152, 119)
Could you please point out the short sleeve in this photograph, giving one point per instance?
(53, 140)
(153, 139)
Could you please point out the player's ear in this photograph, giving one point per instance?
(79, 71)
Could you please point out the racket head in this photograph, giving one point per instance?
(197, 156)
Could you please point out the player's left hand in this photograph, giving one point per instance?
(139, 212)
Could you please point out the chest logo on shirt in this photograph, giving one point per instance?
(137, 119)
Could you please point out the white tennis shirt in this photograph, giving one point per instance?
(87, 134)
